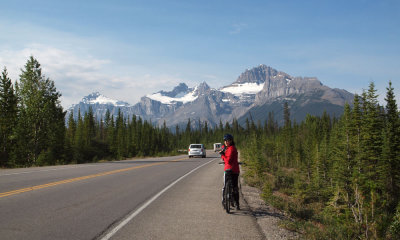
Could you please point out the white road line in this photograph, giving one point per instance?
(134, 214)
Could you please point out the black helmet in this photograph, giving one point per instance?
(228, 137)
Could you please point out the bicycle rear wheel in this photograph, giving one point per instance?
(228, 196)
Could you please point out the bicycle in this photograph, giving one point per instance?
(228, 200)
(228, 192)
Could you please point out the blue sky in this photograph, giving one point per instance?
(127, 49)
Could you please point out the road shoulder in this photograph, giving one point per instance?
(267, 217)
(192, 209)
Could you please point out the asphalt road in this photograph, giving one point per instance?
(153, 198)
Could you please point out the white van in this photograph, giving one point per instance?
(217, 147)
(197, 150)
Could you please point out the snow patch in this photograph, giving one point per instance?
(100, 99)
(289, 99)
(245, 88)
(184, 98)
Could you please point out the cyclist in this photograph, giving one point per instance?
(229, 155)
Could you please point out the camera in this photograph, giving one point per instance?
(222, 152)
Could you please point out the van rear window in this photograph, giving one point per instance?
(195, 146)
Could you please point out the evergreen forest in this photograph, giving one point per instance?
(338, 177)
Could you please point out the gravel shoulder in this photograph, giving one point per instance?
(267, 217)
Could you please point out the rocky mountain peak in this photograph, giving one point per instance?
(92, 96)
(202, 88)
(257, 75)
(181, 88)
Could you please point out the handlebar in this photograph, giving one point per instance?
(240, 163)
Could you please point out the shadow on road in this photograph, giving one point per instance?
(243, 212)
(265, 213)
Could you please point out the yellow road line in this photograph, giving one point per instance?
(22, 190)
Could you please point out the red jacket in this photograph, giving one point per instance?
(231, 159)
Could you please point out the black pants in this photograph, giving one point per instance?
(235, 182)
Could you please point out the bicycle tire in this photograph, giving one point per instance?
(228, 196)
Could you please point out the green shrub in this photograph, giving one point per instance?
(394, 229)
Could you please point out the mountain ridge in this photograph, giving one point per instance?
(261, 88)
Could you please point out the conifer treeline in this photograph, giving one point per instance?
(90, 140)
(341, 176)
(33, 130)
(120, 138)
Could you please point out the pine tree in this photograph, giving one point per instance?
(78, 146)
(248, 128)
(132, 141)
(286, 114)
(221, 126)
(343, 155)
(8, 117)
(89, 127)
(235, 126)
(324, 154)
(121, 136)
(372, 138)
(392, 149)
(111, 138)
(188, 131)
(371, 177)
(100, 133)
(138, 136)
(227, 127)
(41, 116)
(55, 153)
(271, 124)
(69, 138)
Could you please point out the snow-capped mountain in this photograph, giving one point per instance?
(156, 107)
(303, 94)
(210, 105)
(251, 81)
(180, 93)
(99, 104)
(97, 98)
(256, 92)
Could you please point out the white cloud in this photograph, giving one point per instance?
(53, 61)
(80, 65)
(71, 72)
(76, 75)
